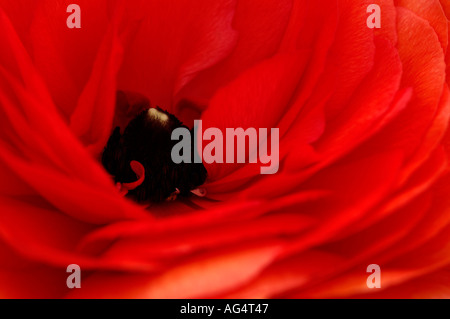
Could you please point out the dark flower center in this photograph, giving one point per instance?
(147, 141)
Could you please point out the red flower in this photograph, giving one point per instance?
(363, 176)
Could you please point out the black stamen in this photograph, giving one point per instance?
(147, 139)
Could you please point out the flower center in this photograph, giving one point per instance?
(140, 158)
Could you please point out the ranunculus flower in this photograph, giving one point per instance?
(363, 178)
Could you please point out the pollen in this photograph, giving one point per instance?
(160, 116)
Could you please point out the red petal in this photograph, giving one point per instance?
(431, 11)
(92, 119)
(203, 276)
(175, 40)
(256, 99)
(260, 26)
